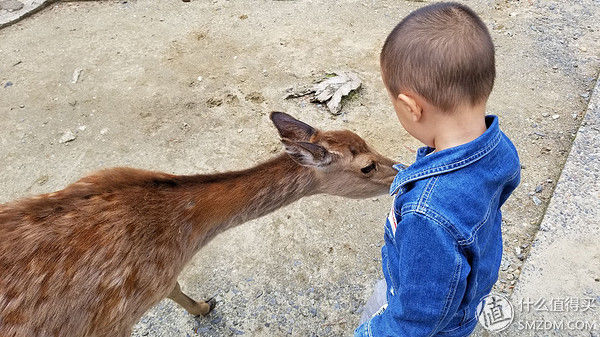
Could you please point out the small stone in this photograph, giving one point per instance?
(555, 116)
(510, 277)
(22, 106)
(199, 78)
(76, 74)
(82, 128)
(240, 130)
(42, 180)
(67, 136)
(585, 95)
(518, 250)
(104, 131)
(11, 5)
(539, 188)
(8, 84)
(236, 331)
(536, 200)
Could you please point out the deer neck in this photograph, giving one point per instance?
(221, 201)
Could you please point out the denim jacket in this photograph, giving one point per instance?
(443, 242)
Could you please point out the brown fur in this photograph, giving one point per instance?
(89, 260)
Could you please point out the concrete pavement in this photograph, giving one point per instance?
(558, 292)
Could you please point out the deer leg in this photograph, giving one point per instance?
(193, 307)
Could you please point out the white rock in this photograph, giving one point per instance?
(67, 136)
(11, 5)
(76, 75)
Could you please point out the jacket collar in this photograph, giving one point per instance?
(430, 164)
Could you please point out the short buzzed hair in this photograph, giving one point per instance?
(442, 52)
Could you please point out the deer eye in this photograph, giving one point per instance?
(369, 168)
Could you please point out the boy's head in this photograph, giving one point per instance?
(439, 59)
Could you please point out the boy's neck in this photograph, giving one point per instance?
(459, 127)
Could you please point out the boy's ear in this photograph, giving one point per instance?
(291, 128)
(412, 105)
(307, 154)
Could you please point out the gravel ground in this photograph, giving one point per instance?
(187, 87)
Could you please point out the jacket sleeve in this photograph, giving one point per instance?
(431, 280)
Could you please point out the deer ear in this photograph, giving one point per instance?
(307, 154)
(291, 128)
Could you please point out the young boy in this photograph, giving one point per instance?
(443, 242)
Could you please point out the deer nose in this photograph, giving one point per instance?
(390, 180)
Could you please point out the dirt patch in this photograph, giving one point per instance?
(255, 97)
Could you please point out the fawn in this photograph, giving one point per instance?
(89, 260)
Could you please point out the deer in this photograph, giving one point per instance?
(91, 259)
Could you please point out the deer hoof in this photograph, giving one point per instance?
(212, 303)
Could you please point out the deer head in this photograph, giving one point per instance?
(343, 163)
